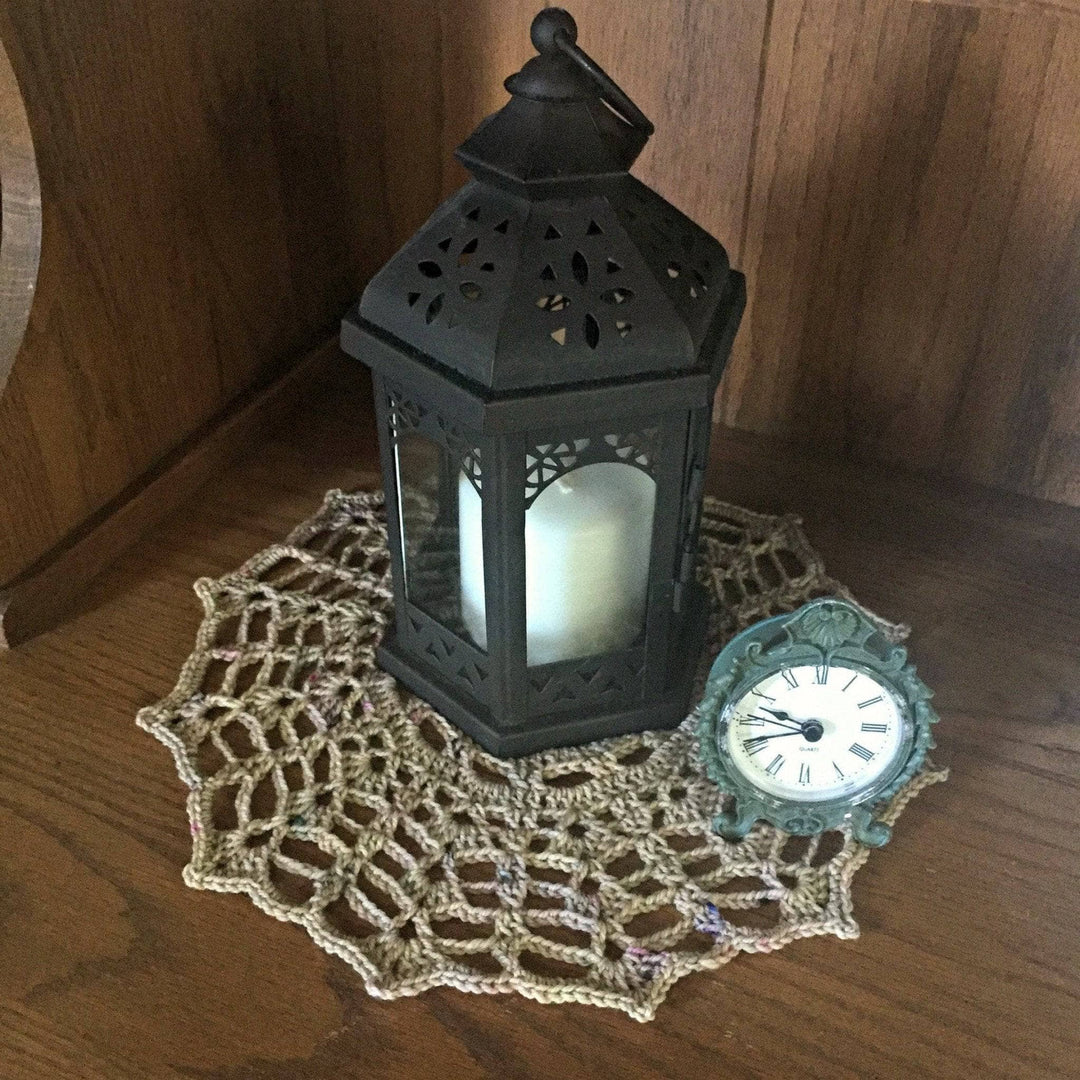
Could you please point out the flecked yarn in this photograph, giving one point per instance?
(337, 800)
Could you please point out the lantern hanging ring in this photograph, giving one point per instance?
(555, 29)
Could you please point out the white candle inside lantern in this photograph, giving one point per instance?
(588, 538)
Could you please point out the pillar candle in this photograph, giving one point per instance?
(588, 538)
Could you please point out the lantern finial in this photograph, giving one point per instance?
(547, 25)
(553, 32)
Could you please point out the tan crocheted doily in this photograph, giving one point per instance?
(337, 800)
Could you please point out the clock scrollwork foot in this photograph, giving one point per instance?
(867, 830)
(734, 824)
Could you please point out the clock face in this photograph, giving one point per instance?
(811, 733)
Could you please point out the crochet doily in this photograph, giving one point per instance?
(338, 800)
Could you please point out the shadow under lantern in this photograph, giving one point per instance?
(545, 353)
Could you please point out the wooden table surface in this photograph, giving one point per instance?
(968, 960)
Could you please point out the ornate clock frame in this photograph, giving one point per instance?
(825, 631)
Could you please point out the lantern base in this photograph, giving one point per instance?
(559, 729)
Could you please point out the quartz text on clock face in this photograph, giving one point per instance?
(812, 733)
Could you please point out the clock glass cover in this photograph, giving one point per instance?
(807, 733)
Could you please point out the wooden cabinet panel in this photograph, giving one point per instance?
(913, 244)
(899, 179)
(193, 203)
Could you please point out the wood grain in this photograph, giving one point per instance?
(898, 178)
(20, 231)
(193, 206)
(969, 957)
(1018, 7)
(913, 231)
(39, 597)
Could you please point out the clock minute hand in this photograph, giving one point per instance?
(786, 728)
(757, 740)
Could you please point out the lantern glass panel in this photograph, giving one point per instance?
(428, 478)
(588, 539)
(590, 501)
(588, 544)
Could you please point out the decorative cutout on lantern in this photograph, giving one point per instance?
(548, 461)
(574, 264)
(553, 302)
(458, 662)
(404, 413)
(466, 248)
(467, 454)
(616, 680)
(668, 244)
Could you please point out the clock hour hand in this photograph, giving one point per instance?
(782, 719)
(781, 715)
(812, 730)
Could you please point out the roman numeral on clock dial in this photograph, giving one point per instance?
(789, 678)
(775, 765)
(860, 751)
(804, 773)
(876, 729)
(870, 701)
(755, 744)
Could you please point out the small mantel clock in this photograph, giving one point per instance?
(811, 720)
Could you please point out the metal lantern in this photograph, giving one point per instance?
(545, 354)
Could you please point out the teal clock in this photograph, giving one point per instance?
(812, 720)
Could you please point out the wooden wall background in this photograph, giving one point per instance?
(900, 180)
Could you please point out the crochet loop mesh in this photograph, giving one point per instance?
(337, 800)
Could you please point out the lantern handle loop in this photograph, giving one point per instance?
(554, 29)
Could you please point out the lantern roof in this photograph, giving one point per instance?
(553, 266)
(566, 125)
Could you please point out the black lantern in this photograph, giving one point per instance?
(545, 354)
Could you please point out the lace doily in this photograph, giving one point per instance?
(337, 800)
